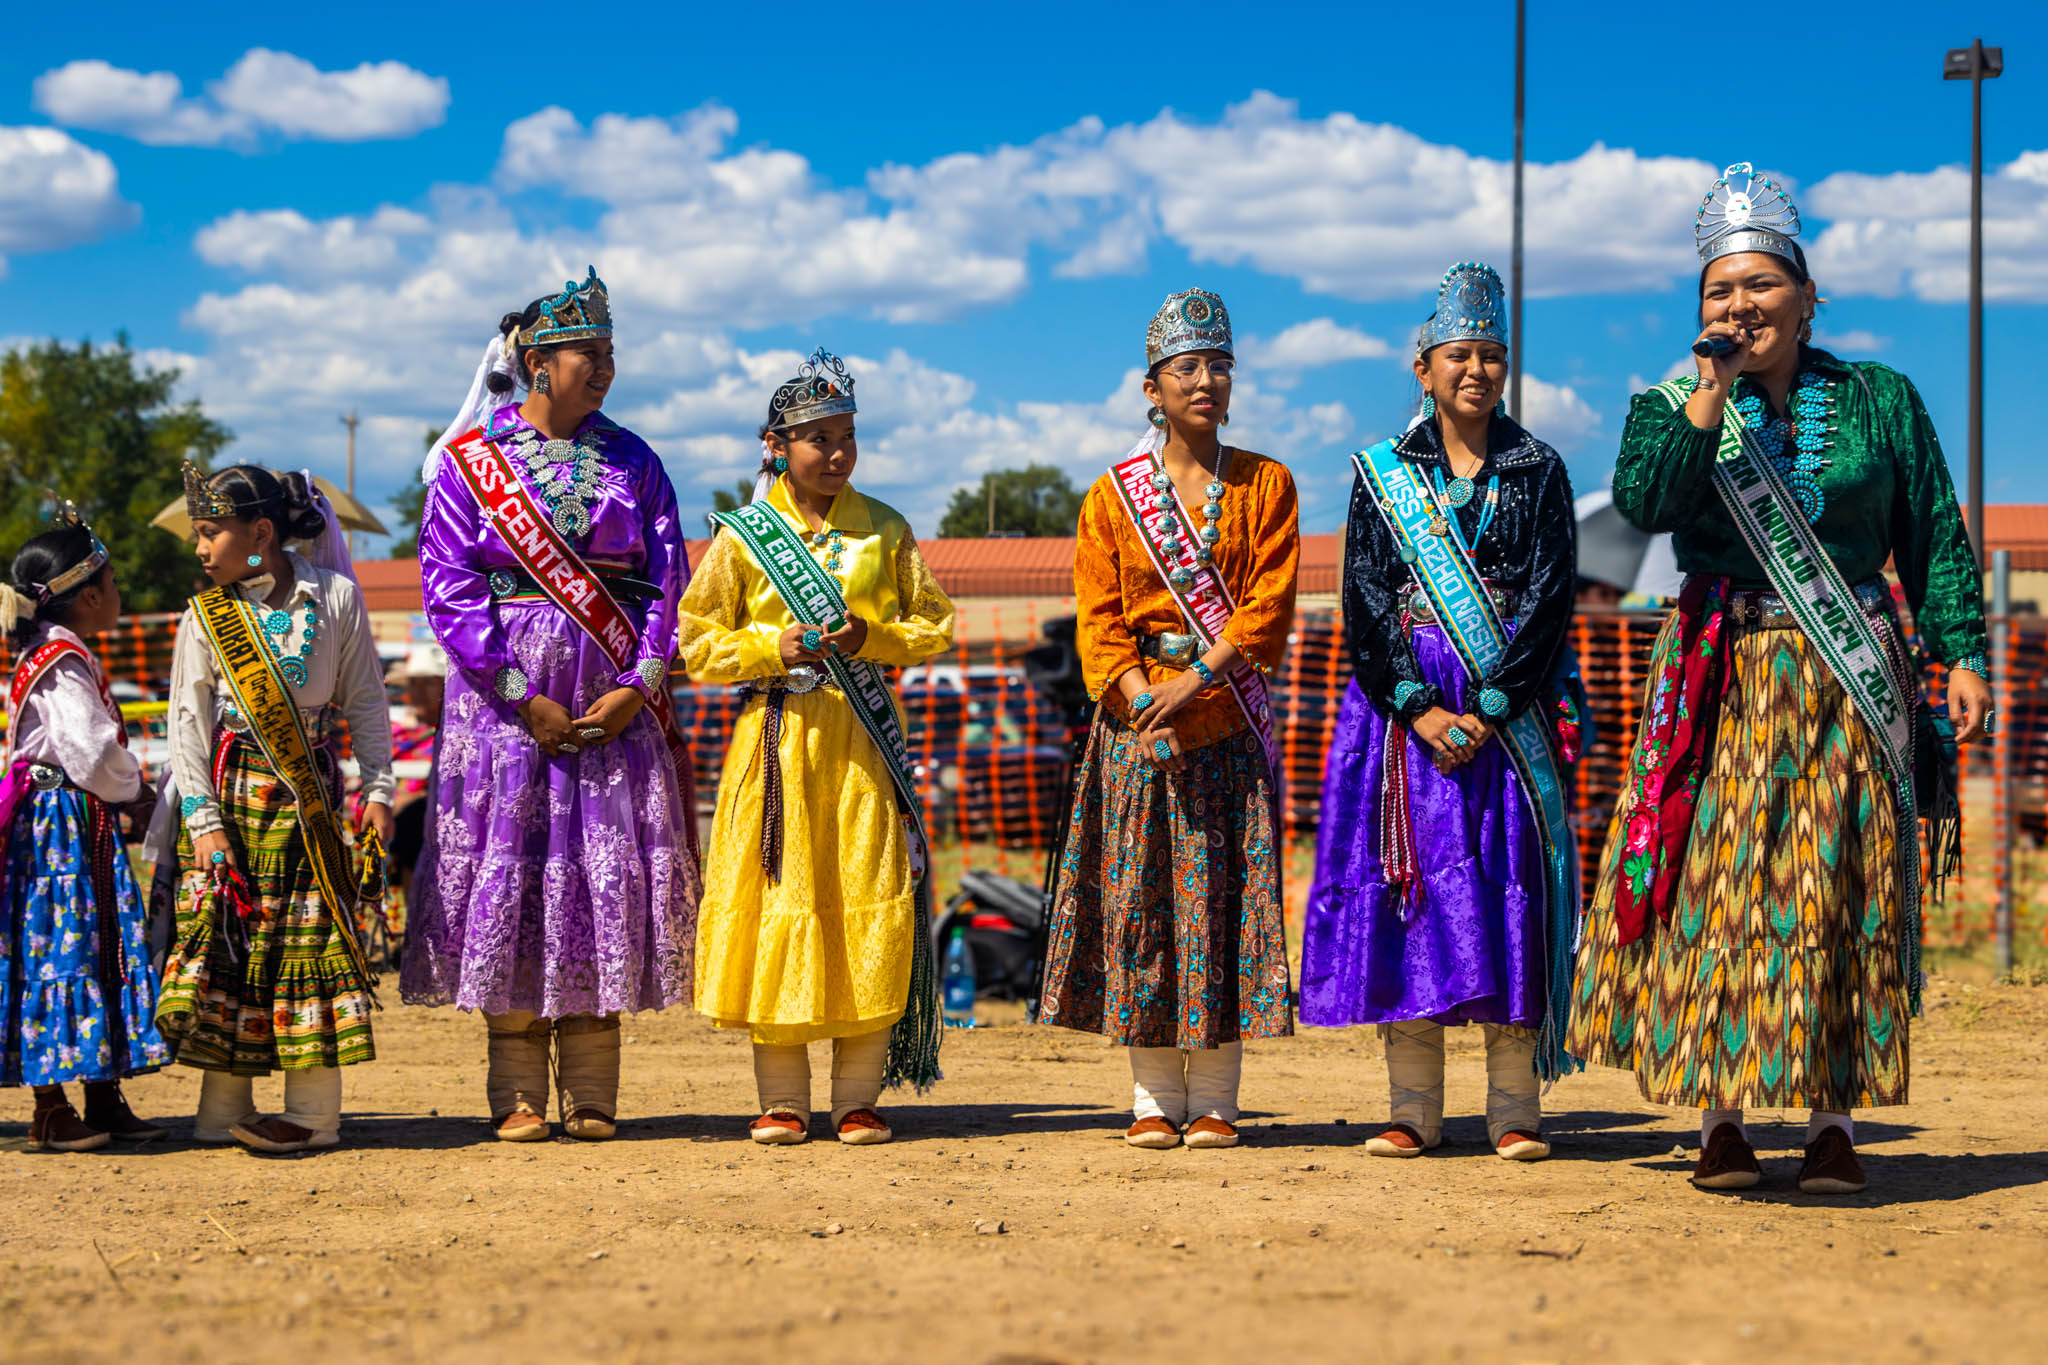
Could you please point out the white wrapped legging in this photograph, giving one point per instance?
(1415, 1079)
(782, 1074)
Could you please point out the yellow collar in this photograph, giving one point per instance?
(849, 511)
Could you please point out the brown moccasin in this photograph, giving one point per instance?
(1727, 1161)
(1831, 1166)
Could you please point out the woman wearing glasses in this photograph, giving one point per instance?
(1166, 929)
(1430, 893)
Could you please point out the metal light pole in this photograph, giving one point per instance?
(1976, 64)
(350, 422)
(1515, 253)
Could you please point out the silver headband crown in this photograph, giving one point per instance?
(64, 513)
(578, 313)
(1192, 320)
(1745, 211)
(1471, 305)
(821, 388)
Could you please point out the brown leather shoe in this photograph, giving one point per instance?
(59, 1129)
(1399, 1140)
(522, 1125)
(1831, 1166)
(107, 1110)
(864, 1127)
(1154, 1133)
(278, 1136)
(1727, 1161)
(779, 1128)
(1210, 1131)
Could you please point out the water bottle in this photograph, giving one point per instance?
(956, 981)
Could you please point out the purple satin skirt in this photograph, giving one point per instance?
(1470, 949)
(561, 886)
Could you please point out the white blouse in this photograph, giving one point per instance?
(64, 724)
(341, 669)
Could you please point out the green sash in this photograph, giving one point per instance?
(1469, 622)
(260, 693)
(1826, 608)
(811, 594)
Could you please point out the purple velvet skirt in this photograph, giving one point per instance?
(562, 886)
(1469, 949)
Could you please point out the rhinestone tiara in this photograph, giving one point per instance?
(1192, 320)
(821, 388)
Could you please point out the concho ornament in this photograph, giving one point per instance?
(653, 672)
(512, 684)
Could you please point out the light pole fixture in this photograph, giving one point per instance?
(1515, 346)
(1976, 64)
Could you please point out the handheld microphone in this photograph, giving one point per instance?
(1710, 347)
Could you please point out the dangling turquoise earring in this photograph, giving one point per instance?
(1156, 418)
(255, 561)
(1428, 406)
(1500, 409)
(782, 464)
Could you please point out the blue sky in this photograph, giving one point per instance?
(983, 208)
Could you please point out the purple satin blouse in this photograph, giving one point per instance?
(633, 528)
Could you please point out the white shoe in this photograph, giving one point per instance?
(222, 1137)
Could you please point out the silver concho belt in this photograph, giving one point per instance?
(800, 679)
(1170, 647)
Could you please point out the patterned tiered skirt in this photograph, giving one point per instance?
(279, 990)
(1776, 981)
(1167, 926)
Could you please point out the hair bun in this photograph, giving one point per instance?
(303, 519)
(509, 324)
(498, 383)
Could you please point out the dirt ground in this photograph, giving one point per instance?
(424, 1239)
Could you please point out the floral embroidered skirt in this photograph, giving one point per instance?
(77, 998)
(1167, 923)
(280, 990)
(823, 949)
(1776, 982)
(563, 885)
(1466, 946)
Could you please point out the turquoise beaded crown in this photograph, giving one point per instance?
(1745, 211)
(578, 313)
(1471, 305)
(1192, 320)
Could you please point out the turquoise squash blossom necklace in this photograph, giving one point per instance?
(277, 627)
(1809, 432)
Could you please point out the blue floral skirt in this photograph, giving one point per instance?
(79, 1003)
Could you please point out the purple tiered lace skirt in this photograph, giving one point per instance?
(563, 886)
(1469, 947)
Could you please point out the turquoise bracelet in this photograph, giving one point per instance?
(1975, 664)
(1208, 673)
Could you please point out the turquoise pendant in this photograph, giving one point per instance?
(1459, 493)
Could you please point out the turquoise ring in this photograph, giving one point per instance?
(1457, 737)
(813, 638)
(1144, 699)
(1162, 751)
(219, 857)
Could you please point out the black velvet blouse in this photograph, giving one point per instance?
(1530, 549)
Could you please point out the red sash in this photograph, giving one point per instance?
(568, 582)
(1205, 603)
(42, 661)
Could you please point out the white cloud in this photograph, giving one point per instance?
(1852, 342)
(1307, 345)
(265, 92)
(285, 241)
(1557, 414)
(55, 192)
(1909, 232)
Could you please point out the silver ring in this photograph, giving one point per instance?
(590, 734)
(569, 748)
(1144, 699)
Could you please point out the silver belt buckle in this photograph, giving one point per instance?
(1176, 648)
(803, 678)
(502, 583)
(45, 778)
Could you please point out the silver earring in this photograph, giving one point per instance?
(540, 382)
(1156, 418)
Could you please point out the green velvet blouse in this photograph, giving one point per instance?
(1886, 495)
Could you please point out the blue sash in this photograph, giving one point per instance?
(1466, 613)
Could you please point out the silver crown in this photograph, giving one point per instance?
(1745, 211)
(821, 388)
(63, 512)
(1471, 305)
(1192, 320)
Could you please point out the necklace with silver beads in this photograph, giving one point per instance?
(568, 476)
(1211, 530)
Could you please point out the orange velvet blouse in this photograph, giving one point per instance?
(1119, 595)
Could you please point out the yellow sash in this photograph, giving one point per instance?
(263, 697)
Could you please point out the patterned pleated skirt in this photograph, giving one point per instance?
(277, 991)
(1776, 981)
(1167, 927)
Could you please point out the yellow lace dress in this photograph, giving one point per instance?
(823, 951)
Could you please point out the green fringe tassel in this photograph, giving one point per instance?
(914, 1039)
